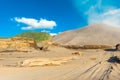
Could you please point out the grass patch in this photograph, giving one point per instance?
(38, 36)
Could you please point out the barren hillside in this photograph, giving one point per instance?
(95, 34)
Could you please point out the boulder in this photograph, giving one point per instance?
(77, 53)
(44, 48)
(118, 47)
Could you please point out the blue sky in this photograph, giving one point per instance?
(55, 16)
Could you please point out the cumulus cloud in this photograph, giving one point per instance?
(53, 34)
(109, 15)
(45, 31)
(35, 24)
(99, 11)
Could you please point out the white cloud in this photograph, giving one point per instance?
(36, 24)
(45, 31)
(53, 34)
(99, 11)
(110, 15)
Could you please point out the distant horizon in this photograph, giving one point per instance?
(52, 34)
(55, 16)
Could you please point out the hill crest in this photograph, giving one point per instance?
(95, 34)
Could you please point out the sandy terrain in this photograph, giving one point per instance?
(91, 65)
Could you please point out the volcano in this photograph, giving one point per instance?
(95, 34)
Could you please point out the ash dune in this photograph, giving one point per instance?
(95, 34)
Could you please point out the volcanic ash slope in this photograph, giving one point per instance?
(95, 34)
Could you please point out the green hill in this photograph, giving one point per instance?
(38, 36)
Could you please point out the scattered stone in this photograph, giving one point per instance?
(114, 59)
(77, 53)
(44, 48)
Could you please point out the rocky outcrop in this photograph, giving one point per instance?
(118, 47)
(87, 46)
(45, 45)
(96, 47)
(18, 44)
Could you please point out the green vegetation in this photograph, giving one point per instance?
(38, 36)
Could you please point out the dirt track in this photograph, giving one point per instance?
(101, 70)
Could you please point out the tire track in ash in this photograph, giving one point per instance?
(73, 75)
(92, 72)
(99, 71)
(106, 73)
(102, 70)
(115, 74)
(109, 71)
(67, 74)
